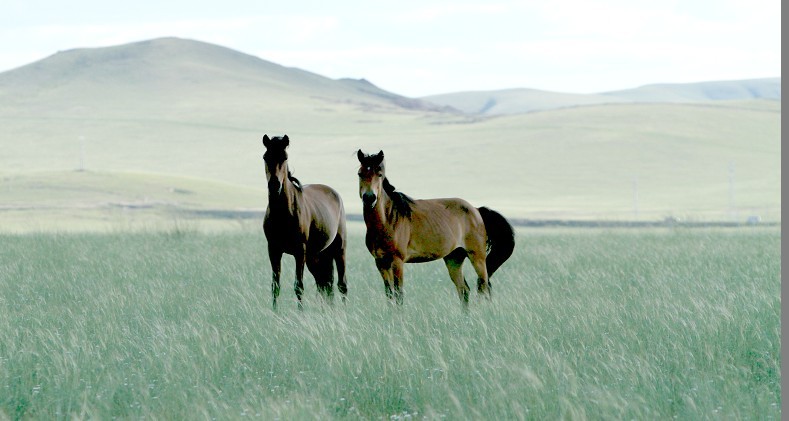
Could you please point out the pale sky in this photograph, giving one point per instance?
(424, 47)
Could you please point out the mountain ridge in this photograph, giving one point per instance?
(760, 88)
(522, 100)
(176, 64)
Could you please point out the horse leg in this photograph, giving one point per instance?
(478, 261)
(454, 262)
(328, 270)
(324, 276)
(397, 275)
(298, 286)
(339, 261)
(384, 265)
(275, 257)
(342, 284)
(314, 267)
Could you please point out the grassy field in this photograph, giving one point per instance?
(596, 323)
(693, 162)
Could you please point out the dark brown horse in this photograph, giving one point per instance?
(403, 230)
(307, 222)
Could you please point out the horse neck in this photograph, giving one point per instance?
(289, 202)
(378, 216)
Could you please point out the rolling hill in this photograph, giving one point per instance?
(168, 68)
(516, 101)
(768, 88)
(171, 128)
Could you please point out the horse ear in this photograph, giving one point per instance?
(378, 159)
(285, 140)
(266, 140)
(360, 155)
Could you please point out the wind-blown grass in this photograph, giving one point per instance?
(597, 324)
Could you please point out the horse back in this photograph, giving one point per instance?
(324, 202)
(439, 226)
(454, 210)
(325, 209)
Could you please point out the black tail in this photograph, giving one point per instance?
(501, 238)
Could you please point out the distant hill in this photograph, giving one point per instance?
(165, 76)
(768, 88)
(515, 101)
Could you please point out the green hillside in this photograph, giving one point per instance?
(177, 81)
(583, 162)
(152, 119)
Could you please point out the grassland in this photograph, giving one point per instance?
(598, 324)
(687, 161)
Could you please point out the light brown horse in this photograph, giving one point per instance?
(307, 222)
(403, 230)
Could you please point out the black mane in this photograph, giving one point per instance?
(294, 180)
(401, 201)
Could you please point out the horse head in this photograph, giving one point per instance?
(276, 162)
(371, 177)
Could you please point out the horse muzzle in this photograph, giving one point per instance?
(274, 187)
(369, 199)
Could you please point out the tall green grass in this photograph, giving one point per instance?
(597, 324)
